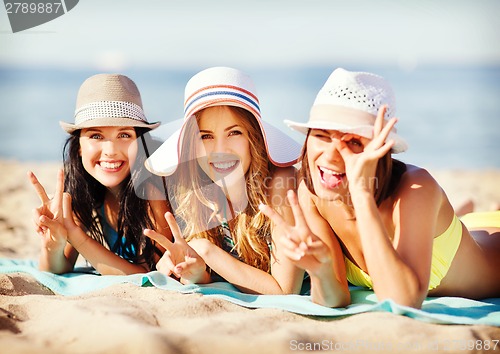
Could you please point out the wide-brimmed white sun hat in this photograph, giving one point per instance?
(349, 102)
(222, 86)
(108, 100)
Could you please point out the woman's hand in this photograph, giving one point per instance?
(361, 167)
(179, 258)
(305, 249)
(49, 217)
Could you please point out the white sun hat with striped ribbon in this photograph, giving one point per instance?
(223, 86)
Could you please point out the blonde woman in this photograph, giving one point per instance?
(223, 163)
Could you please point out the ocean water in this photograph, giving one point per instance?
(450, 116)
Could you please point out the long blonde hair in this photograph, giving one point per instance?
(199, 199)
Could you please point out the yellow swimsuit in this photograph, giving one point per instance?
(444, 248)
(481, 219)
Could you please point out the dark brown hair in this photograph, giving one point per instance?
(134, 210)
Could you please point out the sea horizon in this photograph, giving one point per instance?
(449, 114)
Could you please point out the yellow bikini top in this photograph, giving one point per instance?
(444, 248)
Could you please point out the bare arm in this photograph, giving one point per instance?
(321, 256)
(188, 262)
(246, 278)
(106, 261)
(179, 259)
(285, 277)
(58, 262)
(56, 255)
(159, 206)
(329, 281)
(102, 259)
(284, 271)
(399, 268)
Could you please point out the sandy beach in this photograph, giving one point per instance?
(130, 319)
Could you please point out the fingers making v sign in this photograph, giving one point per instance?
(179, 258)
(49, 217)
(298, 242)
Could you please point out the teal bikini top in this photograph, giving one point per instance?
(116, 244)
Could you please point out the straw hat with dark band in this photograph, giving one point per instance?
(108, 100)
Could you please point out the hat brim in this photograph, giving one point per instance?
(282, 150)
(108, 122)
(400, 145)
(164, 161)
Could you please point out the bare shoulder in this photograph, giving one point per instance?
(416, 177)
(283, 179)
(418, 183)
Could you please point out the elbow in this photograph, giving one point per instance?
(337, 301)
(139, 270)
(416, 294)
(128, 269)
(413, 302)
(280, 290)
(413, 295)
(407, 301)
(330, 293)
(341, 302)
(418, 298)
(288, 289)
(58, 269)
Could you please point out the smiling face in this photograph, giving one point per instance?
(326, 165)
(223, 147)
(108, 153)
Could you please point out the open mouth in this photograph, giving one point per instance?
(224, 167)
(330, 179)
(111, 166)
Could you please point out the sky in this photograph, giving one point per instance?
(303, 39)
(116, 35)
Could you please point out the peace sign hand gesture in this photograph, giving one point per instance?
(361, 168)
(49, 218)
(299, 244)
(179, 258)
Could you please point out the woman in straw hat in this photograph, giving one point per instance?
(362, 216)
(104, 211)
(223, 162)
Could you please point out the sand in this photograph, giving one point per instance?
(130, 319)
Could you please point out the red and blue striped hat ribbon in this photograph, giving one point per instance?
(223, 94)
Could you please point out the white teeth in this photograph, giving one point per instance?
(110, 165)
(224, 165)
(326, 170)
